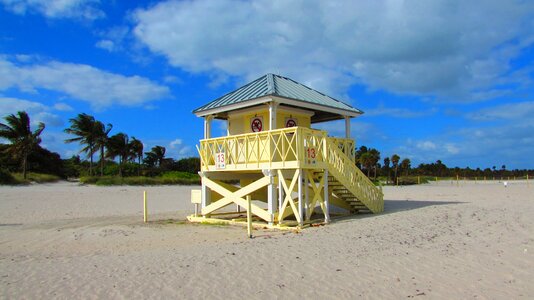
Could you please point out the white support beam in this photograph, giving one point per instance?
(306, 195)
(326, 197)
(301, 200)
(207, 126)
(206, 195)
(272, 115)
(347, 127)
(280, 193)
(271, 198)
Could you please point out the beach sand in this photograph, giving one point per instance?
(437, 241)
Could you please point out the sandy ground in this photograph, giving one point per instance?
(433, 241)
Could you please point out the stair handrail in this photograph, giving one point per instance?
(346, 172)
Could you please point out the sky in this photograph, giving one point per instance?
(447, 80)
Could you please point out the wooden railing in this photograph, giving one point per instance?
(295, 147)
(347, 146)
(343, 169)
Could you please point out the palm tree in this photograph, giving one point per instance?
(405, 165)
(119, 145)
(101, 133)
(395, 162)
(366, 160)
(375, 155)
(23, 140)
(83, 127)
(155, 156)
(387, 161)
(137, 149)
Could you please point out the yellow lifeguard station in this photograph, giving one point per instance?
(293, 173)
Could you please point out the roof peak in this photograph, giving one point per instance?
(281, 87)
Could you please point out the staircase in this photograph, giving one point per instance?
(349, 183)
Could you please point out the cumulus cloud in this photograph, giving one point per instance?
(106, 45)
(37, 111)
(443, 49)
(81, 82)
(177, 149)
(382, 110)
(56, 9)
(519, 112)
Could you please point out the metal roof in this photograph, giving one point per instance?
(278, 86)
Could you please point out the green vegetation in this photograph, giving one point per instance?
(123, 162)
(168, 178)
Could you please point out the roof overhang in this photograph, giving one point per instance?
(322, 113)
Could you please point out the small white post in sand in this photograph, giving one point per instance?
(249, 216)
(145, 211)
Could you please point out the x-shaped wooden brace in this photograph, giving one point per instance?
(288, 199)
(317, 195)
(236, 197)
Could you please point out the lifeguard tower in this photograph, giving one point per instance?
(293, 173)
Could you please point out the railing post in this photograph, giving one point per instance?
(301, 206)
(271, 195)
(326, 197)
(206, 193)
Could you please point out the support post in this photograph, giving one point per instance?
(347, 127)
(272, 115)
(206, 193)
(280, 194)
(207, 127)
(301, 200)
(145, 210)
(271, 195)
(326, 197)
(249, 216)
(306, 195)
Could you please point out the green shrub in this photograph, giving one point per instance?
(35, 177)
(6, 177)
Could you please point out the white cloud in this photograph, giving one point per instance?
(106, 45)
(519, 112)
(174, 144)
(426, 145)
(382, 110)
(81, 82)
(63, 107)
(56, 9)
(37, 111)
(444, 49)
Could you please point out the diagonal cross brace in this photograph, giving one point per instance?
(237, 196)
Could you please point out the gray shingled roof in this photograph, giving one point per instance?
(276, 85)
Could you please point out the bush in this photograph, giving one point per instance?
(171, 178)
(6, 177)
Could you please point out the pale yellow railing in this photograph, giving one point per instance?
(291, 148)
(295, 147)
(345, 145)
(343, 169)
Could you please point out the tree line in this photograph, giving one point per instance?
(391, 168)
(116, 154)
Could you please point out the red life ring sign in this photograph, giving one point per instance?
(256, 124)
(290, 122)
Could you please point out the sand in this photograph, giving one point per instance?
(436, 241)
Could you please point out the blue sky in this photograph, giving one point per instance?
(449, 80)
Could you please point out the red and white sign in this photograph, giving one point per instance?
(220, 160)
(291, 122)
(256, 124)
(311, 155)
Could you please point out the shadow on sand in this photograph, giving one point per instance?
(395, 206)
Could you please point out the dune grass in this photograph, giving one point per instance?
(168, 178)
(7, 178)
